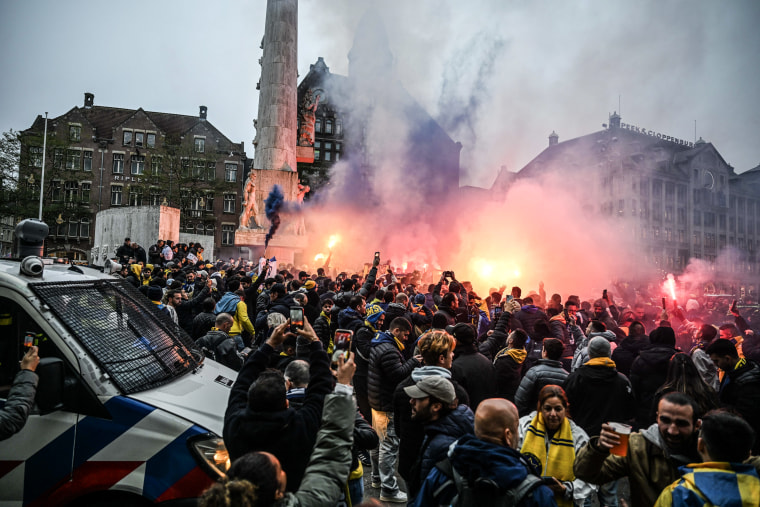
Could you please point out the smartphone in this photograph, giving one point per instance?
(549, 481)
(28, 340)
(496, 312)
(246, 352)
(296, 318)
(604, 294)
(664, 304)
(343, 341)
(510, 297)
(377, 255)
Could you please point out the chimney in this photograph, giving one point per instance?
(553, 138)
(203, 110)
(615, 120)
(89, 98)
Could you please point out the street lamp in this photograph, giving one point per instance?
(202, 203)
(164, 203)
(59, 220)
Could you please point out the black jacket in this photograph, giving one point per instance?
(509, 373)
(221, 348)
(202, 324)
(740, 390)
(186, 309)
(475, 373)
(412, 433)
(598, 394)
(627, 352)
(545, 372)
(288, 434)
(648, 373)
(527, 317)
(124, 252)
(387, 369)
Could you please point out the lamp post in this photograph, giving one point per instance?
(44, 149)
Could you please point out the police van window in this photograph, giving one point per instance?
(15, 326)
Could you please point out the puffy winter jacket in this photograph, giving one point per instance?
(386, 369)
(545, 372)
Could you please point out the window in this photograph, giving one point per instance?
(60, 229)
(58, 158)
(151, 140)
(71, 189)
(337, 156)
(210, 202)
(116, 195)
(200, 145)
(209, 229)
(198, 169)
(210, 171)
(670, 190)
(84, 228)
(127, 138)
(697, 240)
(317, 149)
(155, 196)
(118, 163)
(155, 165)
(709, 219)
(75, 133)
(73, 159)
(84, 189)
(228, 234)
(681, 194)
(621, 207)
(338, 127)
(230, 172)
(229, 203)
(337, 146)
(697, 217)
(139, 138)
(199, 228)
(196, 211)
(681, 216)
(722, 221)
(318, 125)
(138, 164)
(73, 228)
(669, 213)
(87, 157)
(135, 197)
(327, 156)
(55, 191)
(328, 127)
(35, 156)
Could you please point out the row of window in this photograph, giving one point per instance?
(73, 228)
(139, 138)
(324, 151)
(328, 126)
(70, 191)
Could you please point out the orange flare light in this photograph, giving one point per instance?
(334, 239)
(319, 257)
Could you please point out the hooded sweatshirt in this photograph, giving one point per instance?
(713, 483)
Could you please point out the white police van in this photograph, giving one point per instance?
(126, 413)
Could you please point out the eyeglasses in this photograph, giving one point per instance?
(681, 423)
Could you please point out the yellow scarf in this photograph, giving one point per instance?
(561, 451)
(518, 355)
(601, 361)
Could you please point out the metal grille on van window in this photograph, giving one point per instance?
(138, 345)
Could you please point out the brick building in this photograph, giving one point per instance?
(102, 157)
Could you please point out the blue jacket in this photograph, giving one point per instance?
(471, 457)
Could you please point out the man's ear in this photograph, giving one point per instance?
(698, 425)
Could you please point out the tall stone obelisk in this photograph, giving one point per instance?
(274, 159)
(277, 123)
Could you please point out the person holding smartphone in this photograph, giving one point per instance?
(20, 398)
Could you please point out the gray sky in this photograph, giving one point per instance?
(517, 69)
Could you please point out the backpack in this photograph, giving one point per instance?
(485, 492)
(225, 353)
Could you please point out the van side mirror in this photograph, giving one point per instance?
(50, 387)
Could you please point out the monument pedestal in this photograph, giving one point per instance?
(283, 246)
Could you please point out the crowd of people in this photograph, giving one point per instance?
(499, 399)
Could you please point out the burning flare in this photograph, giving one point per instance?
(334, 239)
(670, 287)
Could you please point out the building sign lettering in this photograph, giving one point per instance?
(652, 133)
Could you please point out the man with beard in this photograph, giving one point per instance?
(433, 401)
(654, 454)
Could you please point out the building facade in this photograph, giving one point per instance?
(676, 200)
(104, 157)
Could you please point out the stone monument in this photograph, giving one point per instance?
(276, 138)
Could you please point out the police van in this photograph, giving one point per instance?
(126, 412)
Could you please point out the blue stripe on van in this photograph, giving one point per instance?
(169, 465)
(51, 465)
(96, 433)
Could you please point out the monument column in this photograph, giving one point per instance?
(277, 124)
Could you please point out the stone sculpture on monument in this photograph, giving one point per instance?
(250, 208)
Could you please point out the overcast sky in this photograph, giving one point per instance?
(517, 69)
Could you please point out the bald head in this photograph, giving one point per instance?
(496, 422)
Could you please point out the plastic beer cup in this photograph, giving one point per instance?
(624, 431)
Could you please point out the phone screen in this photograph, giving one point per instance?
(343, 341)
(296, 318)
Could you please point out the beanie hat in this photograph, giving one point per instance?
(598, 347)
(155, 293)
(310, 284)
(373, 313)
(419, 299)
(464, 333)
(663, 336)
(348, 284)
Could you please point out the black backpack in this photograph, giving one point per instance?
(482, 492)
